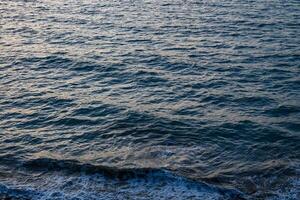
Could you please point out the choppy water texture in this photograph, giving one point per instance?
(150, 99)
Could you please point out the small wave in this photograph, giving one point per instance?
(46, 178)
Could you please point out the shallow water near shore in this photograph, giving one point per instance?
(150, 99)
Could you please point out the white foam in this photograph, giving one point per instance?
(59, 186)
(288, 193)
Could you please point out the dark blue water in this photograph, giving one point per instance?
(150, 99)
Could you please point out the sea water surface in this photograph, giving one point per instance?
(148, 99)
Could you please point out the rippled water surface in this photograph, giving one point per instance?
(150, 99)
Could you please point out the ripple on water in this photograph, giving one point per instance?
(201, 90)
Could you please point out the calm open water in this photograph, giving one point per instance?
(150, 99)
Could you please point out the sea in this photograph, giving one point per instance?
(149, 99)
